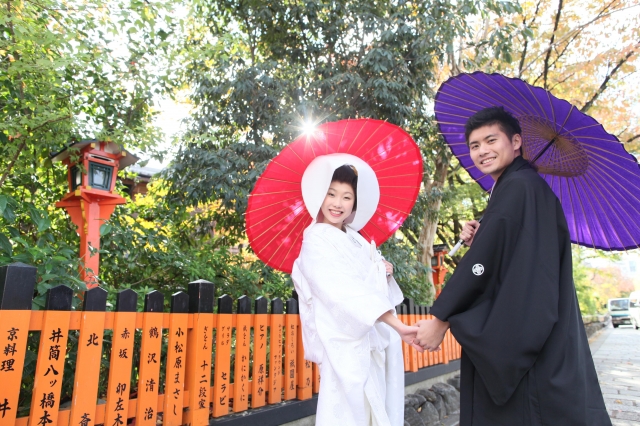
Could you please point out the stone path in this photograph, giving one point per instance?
(616, 354)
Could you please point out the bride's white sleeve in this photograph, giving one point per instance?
(344, 302)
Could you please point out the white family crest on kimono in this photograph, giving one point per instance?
(342, 290)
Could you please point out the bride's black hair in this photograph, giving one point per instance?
(349, 175)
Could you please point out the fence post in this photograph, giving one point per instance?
(411, 318)
(305, 369)
(292, 320)
(259, 372)
(243, 344)
(175, 377)
(16, 290)
(121, 360)
(150, 349)
(199, 342)
(223, 357)
(417, 317)
(446, 347)
(87, 374)
(275, 346)
(401, 311)
(424, 356)
(45, 400)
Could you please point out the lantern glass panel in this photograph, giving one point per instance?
(100, 176)
(434, 260)
(76, 177)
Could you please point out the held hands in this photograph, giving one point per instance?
(430, 334)
(408, 335)
(469, 231)
(407, 332)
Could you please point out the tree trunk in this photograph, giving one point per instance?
(433, 187)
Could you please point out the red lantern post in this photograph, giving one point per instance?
(437, 264)
(92, 170)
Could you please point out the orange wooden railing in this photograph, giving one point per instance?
(262, 351)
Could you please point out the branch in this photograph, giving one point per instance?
(55, 120)
(526, 41)
(578, 31)
(566, 47)
(13, 160)
(553, 37)
(579, 28)
(153, 275)
(561, 81)
(633, 138)
(444, 239)
(23, 144)
(411, 237)
(603, 86)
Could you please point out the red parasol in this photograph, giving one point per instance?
(276, 215)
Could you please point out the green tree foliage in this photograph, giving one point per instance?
(149, 245)
(68, 70)
(259, 70)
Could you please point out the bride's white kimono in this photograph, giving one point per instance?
(342, 290)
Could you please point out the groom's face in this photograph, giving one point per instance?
(492, 150)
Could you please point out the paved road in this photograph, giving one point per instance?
(616, 353)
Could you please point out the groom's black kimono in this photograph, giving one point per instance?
(512, 307)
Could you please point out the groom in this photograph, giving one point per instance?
(511, 302)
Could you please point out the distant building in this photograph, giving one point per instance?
(138, 184)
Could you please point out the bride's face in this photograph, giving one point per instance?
(338, 204)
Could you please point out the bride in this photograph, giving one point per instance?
(347, 297)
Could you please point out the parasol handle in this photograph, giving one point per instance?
(455, 248)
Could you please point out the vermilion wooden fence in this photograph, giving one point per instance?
(214, 364)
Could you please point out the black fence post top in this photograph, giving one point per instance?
(153, 302)
(401, 309)
(127, 301)
(59, 298)
(292, 306)
(180, 303)
(95, 300)
(261, 305)
(225, 304)
(201, 294)
(276, 306)
(243, 305)
(294, 295)
(17, 282)
(408, 302)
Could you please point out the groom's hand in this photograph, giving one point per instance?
(431, 333)
(469, 231)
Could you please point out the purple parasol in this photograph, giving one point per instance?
(595, 178)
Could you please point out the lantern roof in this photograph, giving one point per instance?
(440, 247)
(126, 160)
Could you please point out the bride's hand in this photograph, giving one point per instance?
(388, 267)
(408, 334)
